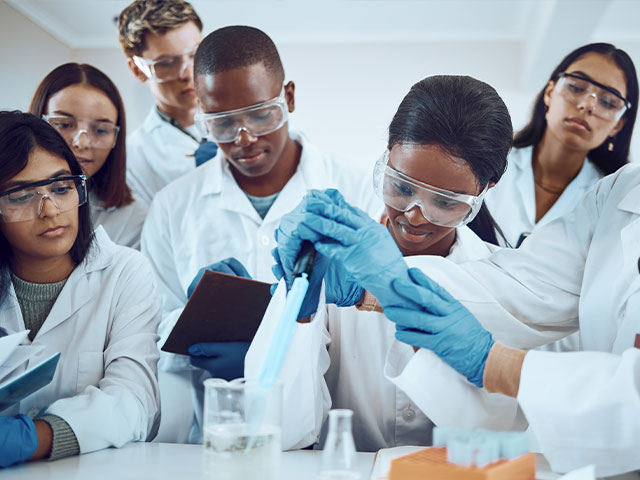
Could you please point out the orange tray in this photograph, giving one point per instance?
(431, 463)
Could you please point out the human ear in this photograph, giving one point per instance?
(547, 93)
(289, 95)
(136, 71)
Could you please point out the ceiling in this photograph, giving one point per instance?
(538, 26)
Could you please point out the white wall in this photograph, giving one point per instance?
(346, 93)
(28, 53)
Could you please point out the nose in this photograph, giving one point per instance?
(47, 208)
(245, 138)
(186, 71)
(80, 140)
(415, 216)
(588, 102)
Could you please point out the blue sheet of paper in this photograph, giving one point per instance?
(30, 381)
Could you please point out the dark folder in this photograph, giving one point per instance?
(222, 308)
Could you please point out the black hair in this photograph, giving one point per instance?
(467, 119)
(235, 47)
(20, 133)
(606, 161)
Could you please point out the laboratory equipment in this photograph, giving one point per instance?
(236, 444)
(339, 453)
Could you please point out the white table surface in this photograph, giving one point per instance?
(160, 461)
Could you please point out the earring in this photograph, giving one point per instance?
(610, 146)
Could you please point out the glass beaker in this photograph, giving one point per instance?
(241, 430)
(339, 459)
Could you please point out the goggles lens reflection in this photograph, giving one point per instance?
(438, 206)
(101, 134)
(258, 120)
(167, 68)
(607, 104)
(26, 202)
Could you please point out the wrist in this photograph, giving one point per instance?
(45, 440)
(502, 370)
(368, 303)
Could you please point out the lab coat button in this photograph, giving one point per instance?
(265, 240)
(408, 415)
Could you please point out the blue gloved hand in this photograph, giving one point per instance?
(18, 439)
(427, 316)
(363, 249)
(340, 288)
(228, 265)
(220, 359)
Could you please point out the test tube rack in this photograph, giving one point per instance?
(431, 463)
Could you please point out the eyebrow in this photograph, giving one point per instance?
(607, 87)
(63, 113)
(18, 183)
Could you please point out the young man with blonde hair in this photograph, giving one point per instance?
(160, 38)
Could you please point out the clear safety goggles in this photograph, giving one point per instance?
(440, 207)
(101, 134)
(167, 67)
(26, 201)
(257, 120)
(608, 104)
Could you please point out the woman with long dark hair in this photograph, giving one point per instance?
(579, 131)
(84, 106)
(77, 293)
(448, 144)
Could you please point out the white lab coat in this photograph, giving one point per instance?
(339, 361)
(104, 323)
(512, 202)
(579, 272)
(123, 225)
(157, 154)
(205, 217)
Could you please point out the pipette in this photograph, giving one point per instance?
(277, 352)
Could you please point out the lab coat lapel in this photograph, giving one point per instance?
(524, 181)
(587, 177)
(309, 174)
(629, 317)
(10, 314)
(81, 286)
(221, 182)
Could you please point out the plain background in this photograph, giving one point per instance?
(352, 61)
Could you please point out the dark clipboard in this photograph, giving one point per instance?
(222, 308)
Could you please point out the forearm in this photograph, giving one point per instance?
(502, 370)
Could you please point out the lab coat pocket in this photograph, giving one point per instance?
(90, 369)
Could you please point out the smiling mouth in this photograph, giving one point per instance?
(412, 232)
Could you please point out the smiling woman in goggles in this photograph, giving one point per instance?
(438, 206)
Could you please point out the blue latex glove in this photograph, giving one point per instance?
(363, 248)
(205, 152)
(427, 316)
(228, 265)
(339, 286)
(220, 359)
(18, 439)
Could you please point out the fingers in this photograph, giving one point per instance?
(236, 267)
(419, 297)
(342, 213)
(421, 279)
(272, 288)
(317, 228)
(277, 268)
